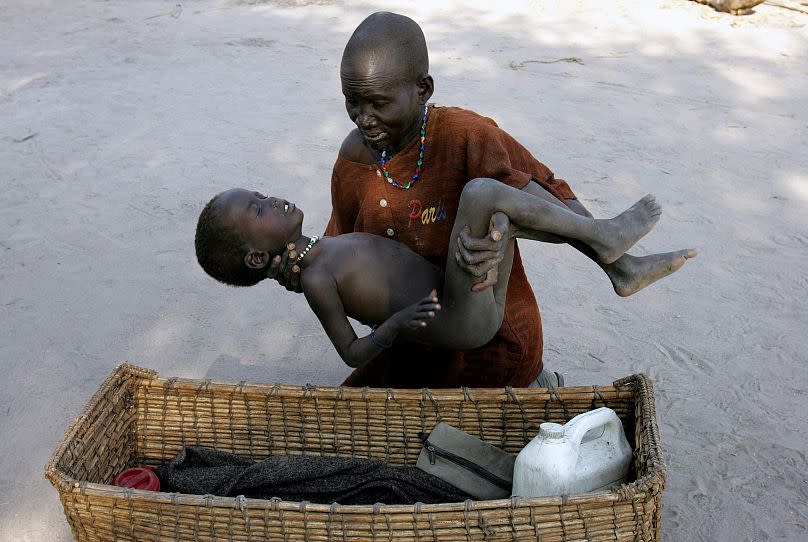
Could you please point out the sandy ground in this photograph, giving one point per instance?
(118, 120)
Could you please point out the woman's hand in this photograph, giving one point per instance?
(481, 257)
(282, 269)
(418, 314)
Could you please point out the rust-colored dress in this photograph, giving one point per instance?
(460, 145)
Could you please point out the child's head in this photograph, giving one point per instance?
(385, 78)
(239, 231)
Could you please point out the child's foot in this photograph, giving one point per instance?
(620, 233)
(630, 274)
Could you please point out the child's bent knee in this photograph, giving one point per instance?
(480, 190)
(482, 185)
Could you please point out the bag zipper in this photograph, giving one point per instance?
(433, 451)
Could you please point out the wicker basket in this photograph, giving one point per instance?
(136, 418)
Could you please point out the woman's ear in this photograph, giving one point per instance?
(256, 259)
(426, 86)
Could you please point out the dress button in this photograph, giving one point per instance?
(383, 202)
(390, 232)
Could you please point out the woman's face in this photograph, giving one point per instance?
(385, 104)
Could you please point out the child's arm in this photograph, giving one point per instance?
(323, 297)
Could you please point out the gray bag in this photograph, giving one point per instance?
(471, 465)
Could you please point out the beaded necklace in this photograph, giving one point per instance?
(382, 171)
(306, 250)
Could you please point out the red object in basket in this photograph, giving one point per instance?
(138, 478)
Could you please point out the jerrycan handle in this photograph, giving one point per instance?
(580, 425)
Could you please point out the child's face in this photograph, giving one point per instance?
(265, 223)
(383, 103)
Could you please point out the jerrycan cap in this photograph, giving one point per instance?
(551, 431)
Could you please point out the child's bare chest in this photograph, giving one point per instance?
(376, 277)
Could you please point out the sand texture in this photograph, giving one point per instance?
(120, 119)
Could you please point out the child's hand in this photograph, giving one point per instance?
(418, 314)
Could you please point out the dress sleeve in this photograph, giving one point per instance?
(343, 216)
(492, 152)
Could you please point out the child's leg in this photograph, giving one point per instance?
(628, 274)
(469, 319)
(534, 216)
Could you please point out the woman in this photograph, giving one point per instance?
(400, 174)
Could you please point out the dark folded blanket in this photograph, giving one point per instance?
(345, 480)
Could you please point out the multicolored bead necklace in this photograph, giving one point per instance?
(306, 250)
(382, 171)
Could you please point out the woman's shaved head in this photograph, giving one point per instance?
(385, 40)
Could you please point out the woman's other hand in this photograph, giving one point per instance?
(481, 257)
(283, 269)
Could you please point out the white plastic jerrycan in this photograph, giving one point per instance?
(588, 453)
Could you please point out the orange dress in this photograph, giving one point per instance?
(460, 145)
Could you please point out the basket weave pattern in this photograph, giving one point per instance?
(136, 418)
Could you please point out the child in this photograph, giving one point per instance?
(381, 282)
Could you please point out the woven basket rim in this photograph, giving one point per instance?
(652, 484)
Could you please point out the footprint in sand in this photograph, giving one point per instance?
(606, 311)
(790, 241)
(684, 358)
